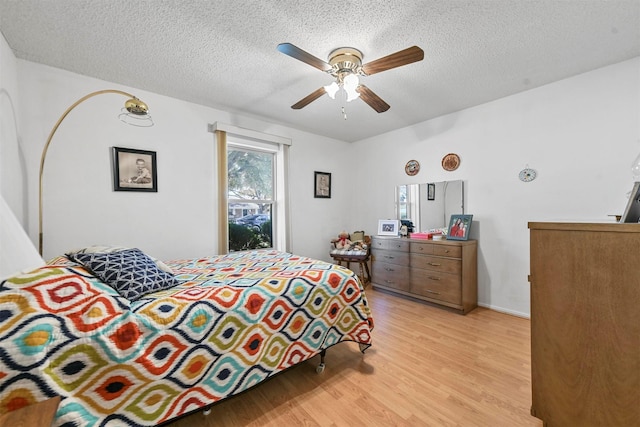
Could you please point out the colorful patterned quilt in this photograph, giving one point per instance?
(231, 323)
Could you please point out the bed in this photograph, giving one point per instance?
(225, 324)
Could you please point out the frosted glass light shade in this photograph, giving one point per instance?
(332, 89)
(351, 93)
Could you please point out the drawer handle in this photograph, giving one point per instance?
(388, 257)
(433, 292)
(389, 269)
(435, 264)
(389, 281)
(433, 278)
(446, 251)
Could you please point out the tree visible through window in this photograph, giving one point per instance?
(251, 198)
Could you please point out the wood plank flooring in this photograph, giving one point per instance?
(427, 367)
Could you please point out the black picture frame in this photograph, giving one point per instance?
(431, 191)
(322, 185)
(459, 227)
(134, 170)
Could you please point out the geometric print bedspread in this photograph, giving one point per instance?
(232, 322)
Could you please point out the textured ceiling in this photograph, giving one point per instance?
(223, 53)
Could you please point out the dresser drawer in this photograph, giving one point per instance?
(393, 257)
(440, 286)
(436, 249)
(446, 250)
(390, 244)
(433, 263)
(392, 275)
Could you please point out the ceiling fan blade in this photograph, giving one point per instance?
(398, 59)
(372, 99)
(299, 54)
(309, 99)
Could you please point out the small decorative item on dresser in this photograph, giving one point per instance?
(459, 227)
(450, 162)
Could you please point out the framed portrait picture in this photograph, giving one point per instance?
(134, 170)
(322, 185)
(388, 227)
(459, 227)
(431, 191)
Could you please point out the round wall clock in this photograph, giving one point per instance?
(450, 162)
(527, 175)
(412, 167)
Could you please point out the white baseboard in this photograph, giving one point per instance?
(506, 311)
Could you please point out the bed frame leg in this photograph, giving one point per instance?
(320, 367)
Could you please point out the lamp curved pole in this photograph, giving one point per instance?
(46, 147)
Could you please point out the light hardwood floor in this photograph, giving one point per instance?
(427, 367)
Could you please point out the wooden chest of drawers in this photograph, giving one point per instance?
(441, 271)
(391, 266)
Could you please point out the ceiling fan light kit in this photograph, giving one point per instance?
(345, 65)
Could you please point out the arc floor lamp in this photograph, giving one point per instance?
(135, 112)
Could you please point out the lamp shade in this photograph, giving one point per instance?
(332, 89)
(17, 252)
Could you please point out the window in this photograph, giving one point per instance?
(251, 190)
(406, 206)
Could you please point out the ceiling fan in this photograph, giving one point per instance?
(345, 65)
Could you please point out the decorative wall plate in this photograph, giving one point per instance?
(412, 167)
(527, 174)
(450, 162)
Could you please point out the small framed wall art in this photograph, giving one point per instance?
(134, 170)
(459, 227)
(431, 191)
(322, 185)
(388, 227)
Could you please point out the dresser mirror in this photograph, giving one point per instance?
(429, 205)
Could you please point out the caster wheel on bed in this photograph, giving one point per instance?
(320, 368)
(206, 412)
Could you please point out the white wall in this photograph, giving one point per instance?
(13, 177)
(581, 135)
(177, 222)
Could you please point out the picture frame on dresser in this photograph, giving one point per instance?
(388, 227)
(459, 227)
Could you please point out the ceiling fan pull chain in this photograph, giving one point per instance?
(344, 113)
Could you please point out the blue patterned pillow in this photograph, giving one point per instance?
(130, 272)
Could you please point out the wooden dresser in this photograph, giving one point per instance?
(585, 323)
(439, 271)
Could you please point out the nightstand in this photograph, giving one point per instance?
(39, 414)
